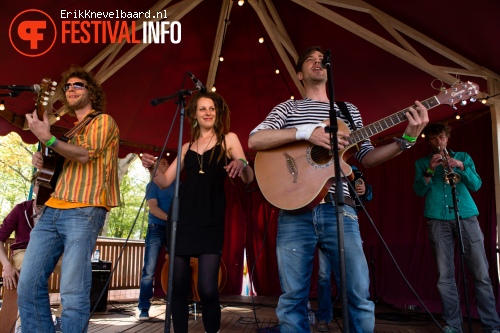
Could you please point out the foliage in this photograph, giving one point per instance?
(129, 216)
(15, 171)
(15, 176)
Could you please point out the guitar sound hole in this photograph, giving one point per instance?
(320, 155)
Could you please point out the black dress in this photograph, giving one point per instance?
(202, 205)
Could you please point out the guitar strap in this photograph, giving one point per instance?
(71, 133)
(345, 111)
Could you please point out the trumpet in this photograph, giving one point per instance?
(449, 175)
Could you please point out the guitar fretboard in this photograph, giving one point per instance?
(387, 122)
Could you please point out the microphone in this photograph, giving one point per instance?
(199, 86)
(327, 57)
(34, 88)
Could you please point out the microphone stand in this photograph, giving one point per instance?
(453, 184)
(181, 102)
(11, 94)
(339, 190)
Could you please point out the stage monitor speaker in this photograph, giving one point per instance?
(100, 274)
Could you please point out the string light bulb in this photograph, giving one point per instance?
(58, 117)
(292, 97)
(2, 106)
(277, 71)
(422, 135)
(261, 40)
(457, 116)
(484, 101)
(214, 89)
(241, 2)
(221, 58)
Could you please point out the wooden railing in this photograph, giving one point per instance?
(127, 265)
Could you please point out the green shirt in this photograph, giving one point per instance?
(438, 196)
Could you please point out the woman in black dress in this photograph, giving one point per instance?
(212, 153)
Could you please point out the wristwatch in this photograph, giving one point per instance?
(403, 143)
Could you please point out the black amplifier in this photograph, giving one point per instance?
(101, 271)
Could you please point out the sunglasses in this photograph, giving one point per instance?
(75, 85)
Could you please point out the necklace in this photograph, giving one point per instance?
(200, 161)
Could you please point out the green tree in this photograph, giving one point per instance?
(15, 171)
(129, 214)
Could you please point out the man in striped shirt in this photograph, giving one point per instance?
(86, 190)
(299, 234)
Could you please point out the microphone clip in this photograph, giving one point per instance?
(327, 59)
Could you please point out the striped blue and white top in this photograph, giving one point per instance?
(292, 113)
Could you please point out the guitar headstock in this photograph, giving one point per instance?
(47, 89)
(460, 91)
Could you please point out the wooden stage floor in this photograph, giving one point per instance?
(238, 315)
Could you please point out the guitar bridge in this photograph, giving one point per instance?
(291, 166)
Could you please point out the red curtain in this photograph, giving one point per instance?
(398, 215)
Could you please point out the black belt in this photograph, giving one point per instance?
(348, 201)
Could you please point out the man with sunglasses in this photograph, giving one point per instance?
(86, 190)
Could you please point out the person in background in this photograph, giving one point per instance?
(324, 312)
(20, 220)
(212, 154)
(159, 202)
(442, 230)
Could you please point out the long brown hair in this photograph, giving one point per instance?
(222, 115)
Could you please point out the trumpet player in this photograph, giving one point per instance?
(434, 177)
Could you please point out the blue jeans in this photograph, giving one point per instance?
(298, 236)
(442, 236)
(72, 232)
(155, 238)
(324, 312)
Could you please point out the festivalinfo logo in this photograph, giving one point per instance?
(33, 32)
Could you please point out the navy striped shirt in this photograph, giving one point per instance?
(292, 113)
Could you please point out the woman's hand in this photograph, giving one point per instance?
(235, 168)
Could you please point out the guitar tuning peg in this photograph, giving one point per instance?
(454, 107)
(464, 102)
(45, 98)
(54, 83)
(45, 103)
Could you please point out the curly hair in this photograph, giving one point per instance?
(222, 118)
(96, 92)
(436, 129)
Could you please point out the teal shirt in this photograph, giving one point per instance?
(438, 197)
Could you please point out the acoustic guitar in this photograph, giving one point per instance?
(296, 176)
(52, 161)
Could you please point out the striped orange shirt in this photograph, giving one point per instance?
(94, 183)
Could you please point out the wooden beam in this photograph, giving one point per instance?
(375, 39)
(493, 89)
(278, 38)
(394, 24)
(174, 13)
(219, 39)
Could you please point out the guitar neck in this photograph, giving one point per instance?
(387, 122)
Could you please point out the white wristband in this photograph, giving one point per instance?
(304, 131)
